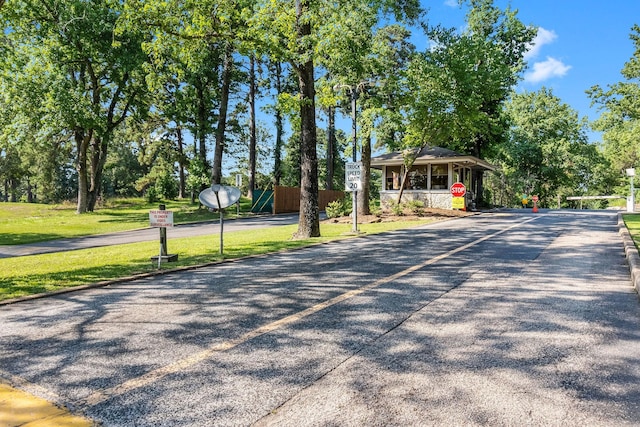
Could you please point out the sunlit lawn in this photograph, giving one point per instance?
(30, 222)
(35, 274)
(632, 221)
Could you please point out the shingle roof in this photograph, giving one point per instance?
(431, 155)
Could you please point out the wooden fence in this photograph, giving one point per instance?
(287, 199)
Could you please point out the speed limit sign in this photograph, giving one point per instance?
(353, 176)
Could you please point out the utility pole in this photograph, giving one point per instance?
(354, 91)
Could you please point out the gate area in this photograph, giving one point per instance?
(287, 199)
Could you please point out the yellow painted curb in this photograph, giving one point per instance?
(18, 408)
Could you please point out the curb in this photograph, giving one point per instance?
(631, 253)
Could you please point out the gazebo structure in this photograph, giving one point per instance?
(429, 179)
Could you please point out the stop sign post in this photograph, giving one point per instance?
(458, 191)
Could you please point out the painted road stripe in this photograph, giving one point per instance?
(157, 374)
(18, 408)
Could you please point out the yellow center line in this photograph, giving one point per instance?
(172, 368)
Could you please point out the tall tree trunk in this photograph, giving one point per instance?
(277, 151)
(365, 194)
(309, 221)
(227, 70)
(252, 127)
(14, 190)
(181, 163)
(98, 159)
(331, 146)
(82, 139)
(202, 118)
(29, 191)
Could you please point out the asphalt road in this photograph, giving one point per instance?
(497, 319)
(147, 234)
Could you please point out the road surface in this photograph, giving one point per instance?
(496, 319)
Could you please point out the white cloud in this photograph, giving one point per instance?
(452, 3)
(542, 38)
(546, 70)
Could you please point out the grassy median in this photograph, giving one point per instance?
(22, 276)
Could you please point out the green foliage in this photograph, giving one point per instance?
(375, 208)
(199, 176)
(166, 185)
(460, 84)
(415, 206)
(619, 121)
(547, 153)
(336, 209)
(397, 209)
(75, 82)
(151, 195)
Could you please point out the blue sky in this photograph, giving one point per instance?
(581, 43)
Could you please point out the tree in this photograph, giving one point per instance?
(547, 153)
(95, 76)
(459, 85)
(620, 114)
(204, 40)
(295, 35)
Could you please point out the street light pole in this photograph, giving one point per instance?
(631, 202)
(354, 91)
(354, 132)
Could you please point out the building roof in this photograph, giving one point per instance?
(432, 155)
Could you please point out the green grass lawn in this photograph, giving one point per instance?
(21, 276)
(30, 222)
(632, 221)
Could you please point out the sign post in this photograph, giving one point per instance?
(458, 191)
(219, 197)
(353, 183)
(535, 204)
(162, 219)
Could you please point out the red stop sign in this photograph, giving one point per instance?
(458, 190)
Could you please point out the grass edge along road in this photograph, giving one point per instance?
(632, 222)
(38, 274)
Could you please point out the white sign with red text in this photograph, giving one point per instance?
(158, 218)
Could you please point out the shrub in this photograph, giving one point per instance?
(151, 195)
(166, 186)
(336, 209)
(397, 209)
(375, 209)
(415, 206)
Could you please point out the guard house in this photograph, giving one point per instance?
(430, 177)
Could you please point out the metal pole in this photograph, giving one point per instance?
(633, 196)
(163, 236)
(354, 97)
(221, 223)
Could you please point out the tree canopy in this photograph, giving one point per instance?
(154, 98)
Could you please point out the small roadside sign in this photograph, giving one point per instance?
(160, 218)
(353, 176)
(457, 203)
